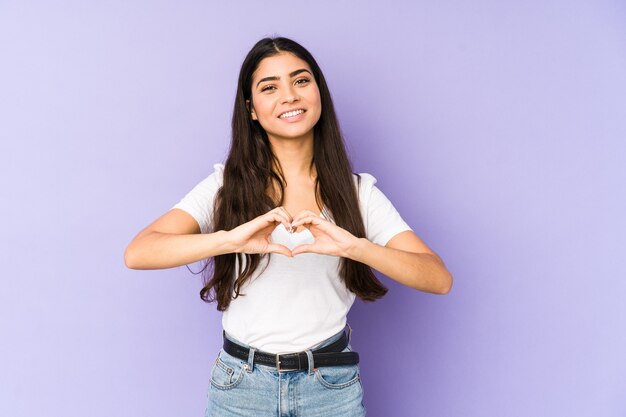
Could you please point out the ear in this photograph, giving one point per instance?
(252, 112)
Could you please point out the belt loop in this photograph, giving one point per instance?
(251, 359)
(309, 356)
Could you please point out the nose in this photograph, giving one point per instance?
(289, 95)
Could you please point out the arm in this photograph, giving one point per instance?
(174, 239)
(405, 259)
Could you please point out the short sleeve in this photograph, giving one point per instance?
(382, 220)
(199, 201)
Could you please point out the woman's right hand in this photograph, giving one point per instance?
(254, 236)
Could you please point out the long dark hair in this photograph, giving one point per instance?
(251, 169)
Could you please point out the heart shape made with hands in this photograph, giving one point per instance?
(292, 240)
(323, 237)
(292, 230)
(289, 236)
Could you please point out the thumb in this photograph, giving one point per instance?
(276, 248)
(302, 249)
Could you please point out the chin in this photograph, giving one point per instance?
(290, 134)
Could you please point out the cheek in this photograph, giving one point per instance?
(318, 100)
(264, 109)
(318, 105)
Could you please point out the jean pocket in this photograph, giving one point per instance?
(338, 377)
(227, 371)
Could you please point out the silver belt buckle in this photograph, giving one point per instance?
(278, 362)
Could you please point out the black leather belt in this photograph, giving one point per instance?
(330, 355)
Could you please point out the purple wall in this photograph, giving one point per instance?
(497, 130)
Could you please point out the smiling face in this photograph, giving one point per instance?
(285, 97)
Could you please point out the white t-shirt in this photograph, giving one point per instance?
(296, 302)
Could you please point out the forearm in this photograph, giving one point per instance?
(163, 250)
(422, 271)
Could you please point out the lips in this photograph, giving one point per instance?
(291, 113)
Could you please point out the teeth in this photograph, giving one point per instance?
(291, 113)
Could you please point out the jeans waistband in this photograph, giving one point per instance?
(323, 343)
(335, 354)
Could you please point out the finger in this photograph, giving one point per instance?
(302, 214)
(306, 248)
(277, 218)
(289, 227)
(282, 213)
(284, 210)
(277, 248)
(315, 220)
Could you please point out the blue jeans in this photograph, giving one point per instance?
(246, 389)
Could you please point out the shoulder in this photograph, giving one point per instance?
(365, 183)
(215, 179)
(364, 177)
(199, 201)
(209, 185)
(218, 172)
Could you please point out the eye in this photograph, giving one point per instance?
(267, 87)
(306, 80)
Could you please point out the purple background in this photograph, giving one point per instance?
(496, 129)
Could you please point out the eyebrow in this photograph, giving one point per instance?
(276, 77)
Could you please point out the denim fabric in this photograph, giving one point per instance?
(246, 389)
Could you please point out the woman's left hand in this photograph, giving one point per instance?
(330, 239)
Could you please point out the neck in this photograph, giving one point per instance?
(295, 155)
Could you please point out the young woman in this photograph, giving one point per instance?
(291, 235)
